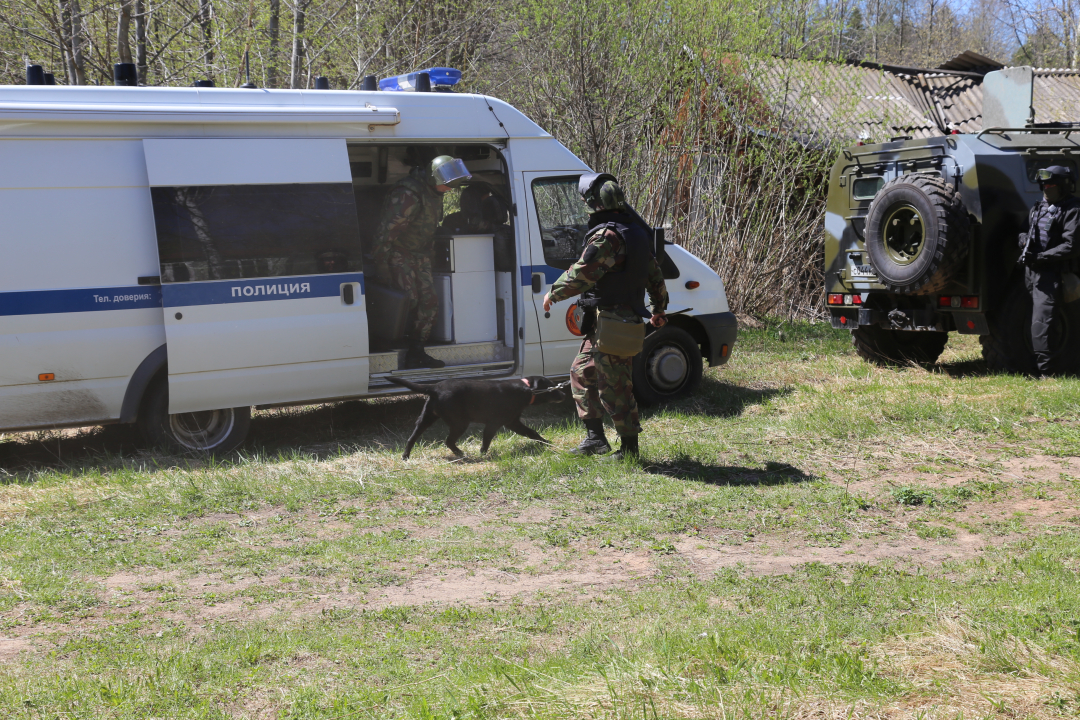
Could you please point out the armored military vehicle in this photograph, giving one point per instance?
(921, 236)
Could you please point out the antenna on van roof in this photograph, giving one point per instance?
(247, 73)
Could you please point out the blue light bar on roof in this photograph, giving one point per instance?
(440, 77)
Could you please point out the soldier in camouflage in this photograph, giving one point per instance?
(404, 244)
(613, 273)
(1050, 248)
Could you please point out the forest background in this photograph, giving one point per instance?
(673, 97)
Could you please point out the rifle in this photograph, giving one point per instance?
(1024, 259)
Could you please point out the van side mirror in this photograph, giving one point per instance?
(667, 265)
(659, 243)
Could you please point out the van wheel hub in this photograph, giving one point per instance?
(202, 430)
(667, 367)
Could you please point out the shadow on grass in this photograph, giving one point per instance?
(318, 431)
(965, 368)
(721, 399)
(774, 473)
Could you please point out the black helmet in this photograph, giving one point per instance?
(1055, 172)
(601, 191)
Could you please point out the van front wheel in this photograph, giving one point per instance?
(668, 366)
(209, 431)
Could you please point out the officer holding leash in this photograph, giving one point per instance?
(612, 276)
(1050, 248)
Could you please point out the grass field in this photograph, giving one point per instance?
(807, 536)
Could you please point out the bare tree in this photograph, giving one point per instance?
(273, 31)
(297, 65)
(140, 41)
(123, 32)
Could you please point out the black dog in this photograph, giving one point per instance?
(493, 403)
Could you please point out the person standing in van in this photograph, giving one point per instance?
(404, 244)
(612, 276)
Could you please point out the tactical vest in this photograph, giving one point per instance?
(1043, 216)
(1046, 225)
(419, 236)
(625, 285)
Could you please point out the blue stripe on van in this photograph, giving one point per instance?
(220, 292)
(45, 302)
(551, 274)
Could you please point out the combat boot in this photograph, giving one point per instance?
(628, 447)
(415, 357)
(595, 443)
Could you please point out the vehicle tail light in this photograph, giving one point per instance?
(835, 299)
(968, 302)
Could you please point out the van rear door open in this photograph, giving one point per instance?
(261, 271)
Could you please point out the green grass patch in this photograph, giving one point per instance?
(807, 534)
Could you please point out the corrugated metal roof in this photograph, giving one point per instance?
(822, 102)
(971, 61)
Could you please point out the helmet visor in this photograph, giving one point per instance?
(1045, 175)
(451, 173)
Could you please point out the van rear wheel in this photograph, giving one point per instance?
(208, 431)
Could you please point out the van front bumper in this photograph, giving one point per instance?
(721, 329)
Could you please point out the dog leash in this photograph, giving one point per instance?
(564, 384)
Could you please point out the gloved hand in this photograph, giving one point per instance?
(1038, 262)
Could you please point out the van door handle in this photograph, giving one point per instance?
(347, 294)
(537, 282)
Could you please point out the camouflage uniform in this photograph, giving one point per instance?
(601, 382)
(403, 247)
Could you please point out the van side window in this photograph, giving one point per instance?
(563, 218)
(247, 231)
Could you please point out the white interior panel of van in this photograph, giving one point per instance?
(193, 162)
(261, 275)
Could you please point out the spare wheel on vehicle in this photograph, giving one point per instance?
(916, 234)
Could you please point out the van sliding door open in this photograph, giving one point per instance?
(261, 271)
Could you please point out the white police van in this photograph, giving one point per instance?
(173, 257)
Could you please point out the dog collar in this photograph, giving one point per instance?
(526, 381)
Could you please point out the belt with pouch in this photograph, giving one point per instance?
(617, 336)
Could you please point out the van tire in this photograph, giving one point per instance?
(213, 432)
(668, 367)
(898, 347)
(924, 266)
